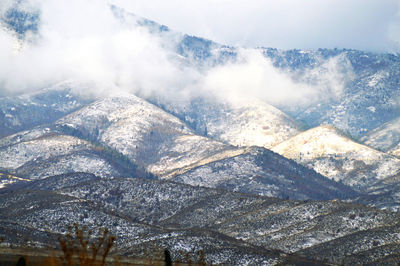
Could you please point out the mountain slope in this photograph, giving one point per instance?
(333, 155)
(231, 228)
(252, 124)
(260, 171)
(148, 137)
(146, 134)
(236, 122)
(44, 106)
(47, 153)
(384, 137)
(44, 209)
(367, 85)
(265, 222)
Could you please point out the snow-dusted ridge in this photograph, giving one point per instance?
(231, 228)
(42, 152)
(144, 133)
(263, 172)
(235, 121)
(40, 107)
(384, 137)
(333, 155)
(252, 123)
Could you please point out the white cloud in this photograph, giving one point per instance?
(253, 75)
(83, 40)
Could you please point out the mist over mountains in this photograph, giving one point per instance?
(252, 155)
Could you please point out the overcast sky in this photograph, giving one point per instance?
(360, 24)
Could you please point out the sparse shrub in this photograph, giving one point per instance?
(188, 260)
(201, 260)
(78, 244)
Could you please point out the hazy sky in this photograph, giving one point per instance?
(307, 24)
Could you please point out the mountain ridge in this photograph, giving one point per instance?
(332, 154)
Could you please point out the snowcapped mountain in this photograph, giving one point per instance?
(144, 133)
(46, 153)
(25, 111)
(334, 155)
(241, 123)
(63, 153)
(125, 127)
(368, 81)
(254, 123)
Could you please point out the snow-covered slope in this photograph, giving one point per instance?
(236, 122)
(384, 194)
(145, 133)
(261, 171)
(395, 151)
(231, 228)
(252, 123)
(333, 155)
(366, 86)
(164, 146)
(50, 154)
(385, 137)
(44, 106)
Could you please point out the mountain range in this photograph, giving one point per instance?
(247, 182)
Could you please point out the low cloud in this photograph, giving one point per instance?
(85, 41)
(253, 75)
